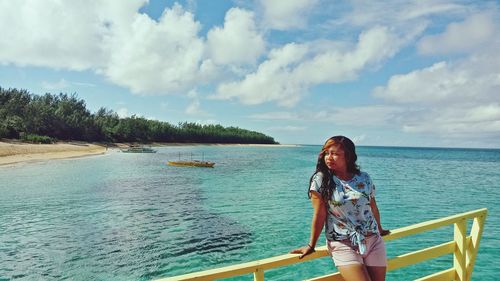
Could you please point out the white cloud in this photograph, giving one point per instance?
(156, 57)
(358, 139)
(464, 36)
(122, 112)
(459, 122)
(238, 41)
(109, 37)
(419, 9)
(271, 81)
(483, 113)
(289, 71)
(59, 34)
(63, 84)
(396, 13)
(59, 85)
(311, 115)
(358, 116)
(353, 116)
(373, 46)
(83, 84)
(207, 122)
(275, 115)
(287, 129)
(283, 15)
(473, 80)
(152, 118)
(456, 99)
(194, 108)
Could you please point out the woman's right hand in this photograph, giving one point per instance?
(304, 251)
(384, 232)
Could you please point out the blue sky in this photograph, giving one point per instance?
(397, 73)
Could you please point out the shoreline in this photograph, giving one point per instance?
(14, 152)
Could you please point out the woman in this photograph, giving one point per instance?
(343, 199)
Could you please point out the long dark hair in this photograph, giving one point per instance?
(327, 184)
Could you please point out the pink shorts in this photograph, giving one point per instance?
(343, 254)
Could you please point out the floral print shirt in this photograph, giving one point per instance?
(350, 215)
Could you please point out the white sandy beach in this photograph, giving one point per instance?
(14, 152)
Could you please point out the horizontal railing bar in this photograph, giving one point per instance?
(403, 260)
(329, 277)
(445, 275)
(432, 224)
(420, 255)
(289, 259)
(249, 267)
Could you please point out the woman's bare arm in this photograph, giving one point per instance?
(318, 221)
(376, 214)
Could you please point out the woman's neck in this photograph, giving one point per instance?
(343, 175)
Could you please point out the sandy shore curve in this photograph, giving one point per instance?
(11, 152)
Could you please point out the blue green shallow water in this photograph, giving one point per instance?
(131, 217)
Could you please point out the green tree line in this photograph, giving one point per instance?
(65, 117)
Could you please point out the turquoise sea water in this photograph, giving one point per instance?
(131, 217)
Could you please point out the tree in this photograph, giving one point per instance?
(66, 117)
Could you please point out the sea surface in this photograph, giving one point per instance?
(124, 216)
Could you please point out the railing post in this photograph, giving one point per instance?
(459, 256)
(475, 233)
(258, 275)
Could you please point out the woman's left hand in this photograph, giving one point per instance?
(384, 232)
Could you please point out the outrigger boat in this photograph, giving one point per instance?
(191, 163)
(138, 149)
(194, 163)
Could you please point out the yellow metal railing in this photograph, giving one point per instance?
(463, 247)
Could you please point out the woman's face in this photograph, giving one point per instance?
(335, 159)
